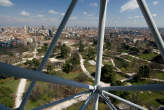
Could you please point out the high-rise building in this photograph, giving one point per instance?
(26, 29)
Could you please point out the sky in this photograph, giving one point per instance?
(120, 13)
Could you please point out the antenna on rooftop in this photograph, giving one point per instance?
(95, 91)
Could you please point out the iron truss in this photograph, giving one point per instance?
(95, 91)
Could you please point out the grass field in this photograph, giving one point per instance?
(44, 92)
(8, 89)
(149, 56)
(157, 75)
(102, 106)
(90, 68)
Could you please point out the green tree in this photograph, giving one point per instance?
(6, 96)
(75, 60)
(143, 72)
(108, 44)
(67, 67)
(107, 74)
(64, 51)
(81, 46)
(94, 42)
(49, 68)
(124, 46)
(91, 53)
(134, 51)
(33, 64)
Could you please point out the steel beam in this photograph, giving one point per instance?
(50, 49)
(102, 19)
(2, 107)
(101, 31)
(96, 102)
(152, 26)
(123, 100)
(108, 102)
(18, 72)
(146, 87)
(61, 101)
(83, 107)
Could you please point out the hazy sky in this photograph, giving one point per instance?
(50, 12)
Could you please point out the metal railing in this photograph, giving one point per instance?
(96, 90)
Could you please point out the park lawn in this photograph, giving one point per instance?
(10, 83)
(148, 56)
(43, 97)
(49, 92)
(90, 68)
(119, 77)
(129, 69)
(128, 57)
(147, 98)
(107, 62)
(9, 86)
(157, 75)
(102, 106)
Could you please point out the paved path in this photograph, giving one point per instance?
(66, 104)
(20, 91)
(154, 79)
(84, 69)
(87, 72)
(22, 84)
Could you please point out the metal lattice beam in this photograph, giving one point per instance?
(123, 100)
(50, 49)
(18, 72)
(147, 87)
(83, 107)
(61, 101)
(108, 102)
(152, 26)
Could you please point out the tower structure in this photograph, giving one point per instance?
(95, 91)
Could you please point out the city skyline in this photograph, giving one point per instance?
(121, 13)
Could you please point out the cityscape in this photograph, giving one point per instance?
(130, 57)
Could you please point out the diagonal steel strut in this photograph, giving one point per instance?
(108, 102)
(123, 100)
(146, 87)
(11, 70)
(50, 49)
(61, 101)
(152, 26)
(83, 107)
